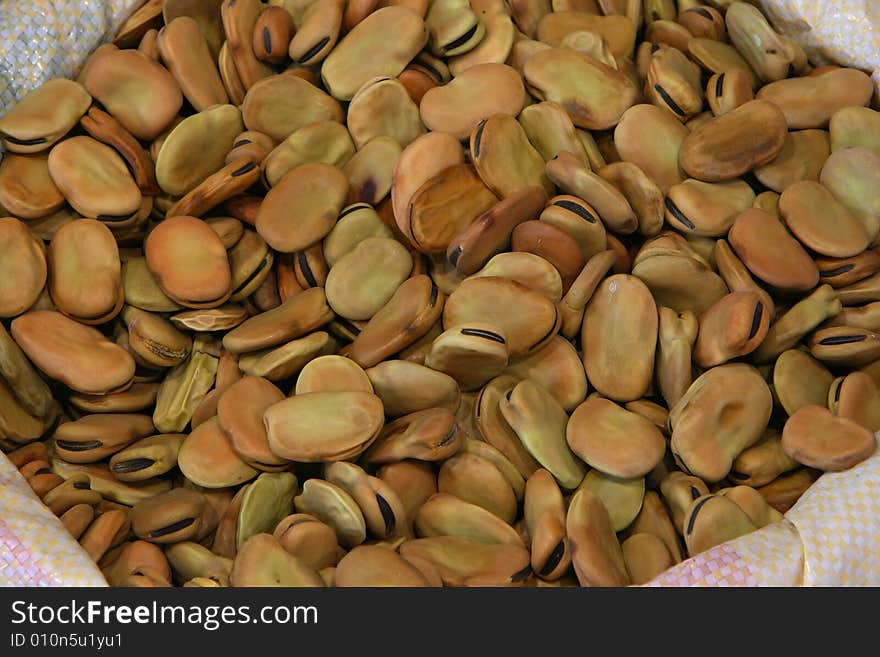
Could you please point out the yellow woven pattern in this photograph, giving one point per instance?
(838, 520)
(772, 556)
(35, 548)
(828, 538)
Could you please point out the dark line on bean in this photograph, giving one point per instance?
(82, 485)
(250, 166)
(415, 237)
(478, 136)
(114, 218)
(508, 394)
(23, 142)
(455, 255)
(463, 39)
(837, 391)
(43, 471)
(72, 446)
(303, 262)
(737, 475)
(843, 339)
(668, 100)
(753, 182)
(433, 71)
(578, 209)
(433, 299)
(267, 39)
(263, 264)
(693, 517)
(242, 142)
(351, 208)
(348, 326)
(387, 513)
(174, 527)
(521, 575)
(719, 86)
(314, 50)
(133, 465)
(449, 437)
(550, 331)
(479, 333)
(756, 319)
(675, 212)
(694, 493)
(702, 12)
(554, 559)
(681, 463)
(837, 271)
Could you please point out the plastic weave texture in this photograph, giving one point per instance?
(45, 39)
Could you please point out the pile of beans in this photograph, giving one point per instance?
(436, 293)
